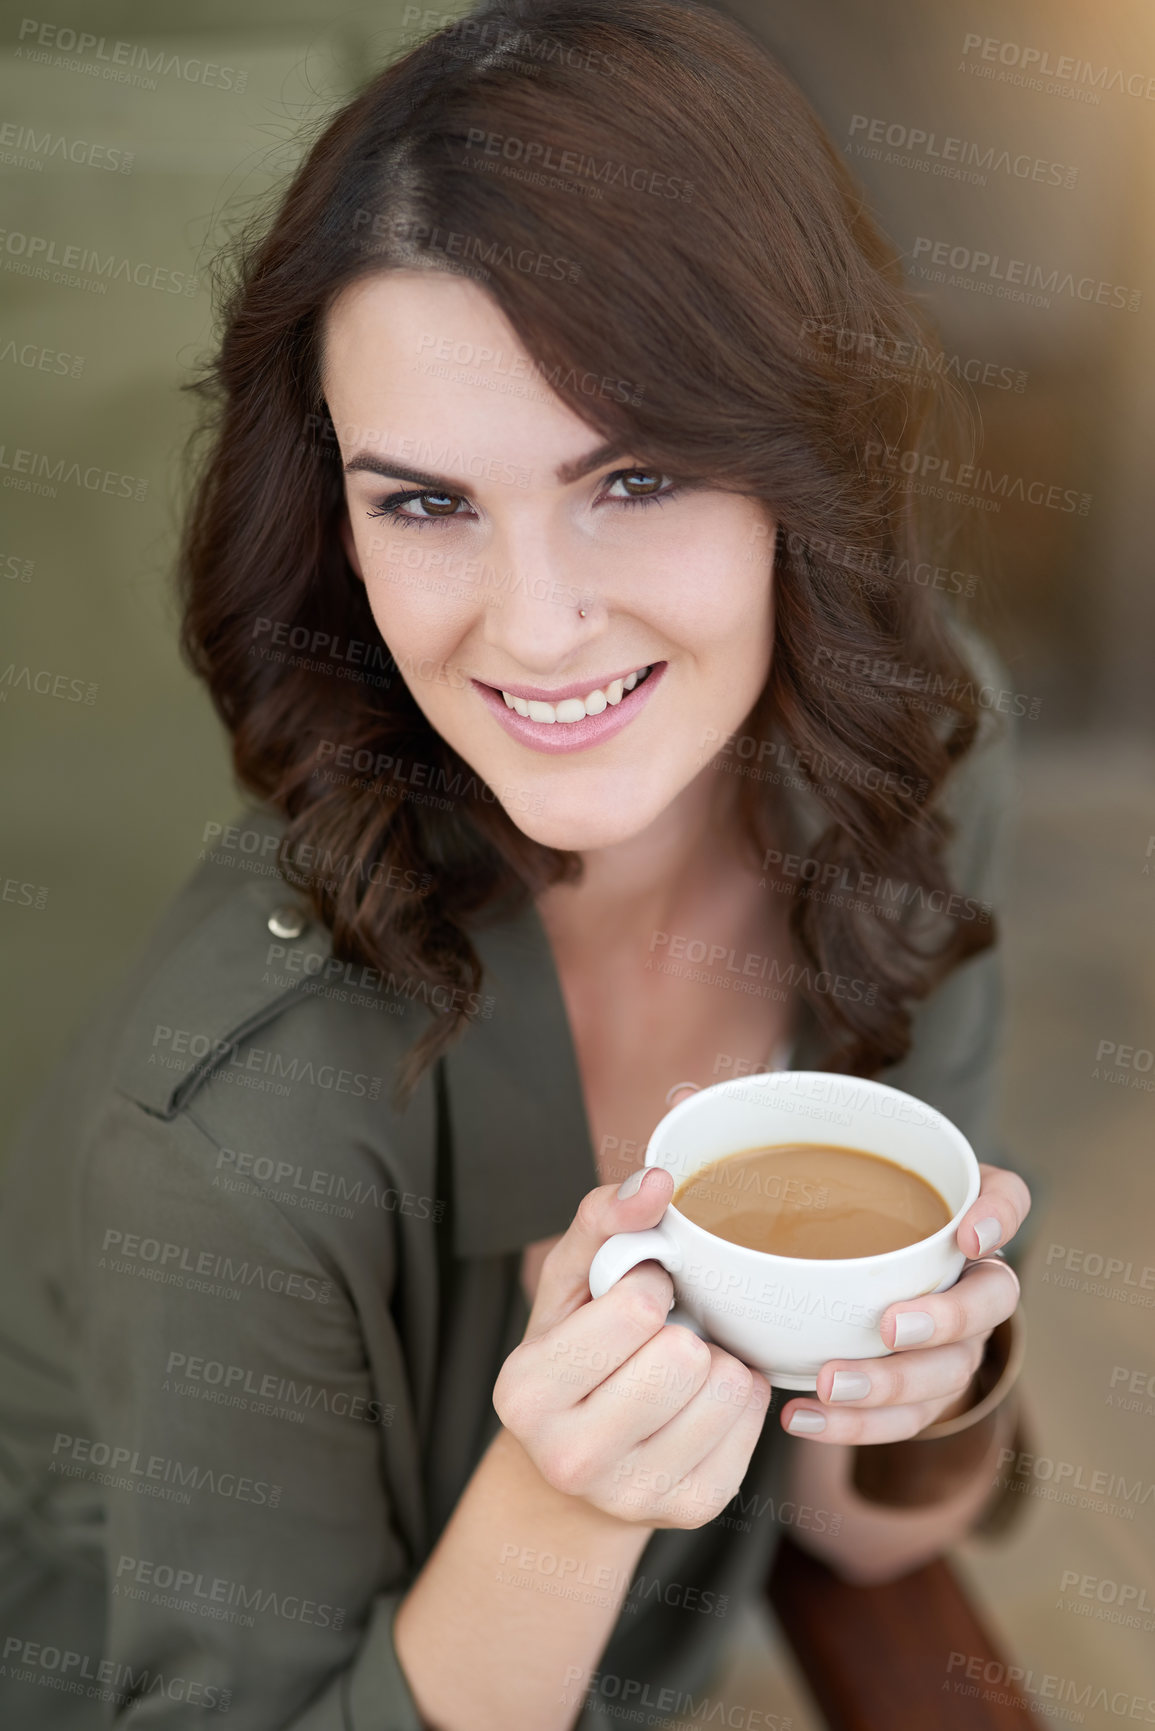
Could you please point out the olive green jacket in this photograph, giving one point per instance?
(251, 1315)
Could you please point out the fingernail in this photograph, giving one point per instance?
(988, 1232)
(631, 1185)
(804, 1422)
(849, 1385)
(911, 1326)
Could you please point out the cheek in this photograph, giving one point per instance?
(421, 597)
(422, 633)
(711, 592)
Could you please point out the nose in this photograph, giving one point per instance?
(545, 608)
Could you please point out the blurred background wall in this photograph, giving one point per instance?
(114, 763)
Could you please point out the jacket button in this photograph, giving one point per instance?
(287, 922)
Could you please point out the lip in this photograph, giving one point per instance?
(569, 735)
(537, 694)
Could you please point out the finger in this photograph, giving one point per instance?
(564, 1281)
(730, 1388)
(602, 1440)
(706, 1485)
(721, 1423)
(882, 1425)
(904, 1379)
(996, 1214)
(575, 1356)
(651, 1387)
(985, 1293)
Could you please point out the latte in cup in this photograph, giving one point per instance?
(812, 1199)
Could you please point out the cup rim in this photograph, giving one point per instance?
(970, 1158)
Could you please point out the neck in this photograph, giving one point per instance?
(655, 879)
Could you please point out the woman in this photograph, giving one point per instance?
(567, 626)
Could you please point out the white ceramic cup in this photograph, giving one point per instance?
(787, 1315)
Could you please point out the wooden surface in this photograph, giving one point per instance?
(886, 1658)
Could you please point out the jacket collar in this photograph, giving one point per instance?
(523, 1156)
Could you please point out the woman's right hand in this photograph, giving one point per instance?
(641, 1418)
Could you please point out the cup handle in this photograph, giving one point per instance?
(625, 1250)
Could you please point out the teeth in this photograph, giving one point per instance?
(572, 709)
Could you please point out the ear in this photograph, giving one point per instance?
(350, 545)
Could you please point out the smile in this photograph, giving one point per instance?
(572, 709)
(576, 720)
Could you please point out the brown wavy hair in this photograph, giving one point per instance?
(697, 293)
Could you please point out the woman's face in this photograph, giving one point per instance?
(478, 541)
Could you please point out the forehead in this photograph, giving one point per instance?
(425, 357)
(392, 315)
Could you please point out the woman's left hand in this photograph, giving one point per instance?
(939, 1338)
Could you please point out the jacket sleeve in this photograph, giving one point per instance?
(254, 1565)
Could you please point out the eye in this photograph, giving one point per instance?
(434, 507)
(643, 487)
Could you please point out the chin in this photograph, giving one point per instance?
(587, 826)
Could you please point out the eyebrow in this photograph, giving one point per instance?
(565, 473)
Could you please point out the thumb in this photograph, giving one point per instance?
(632, 1206)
